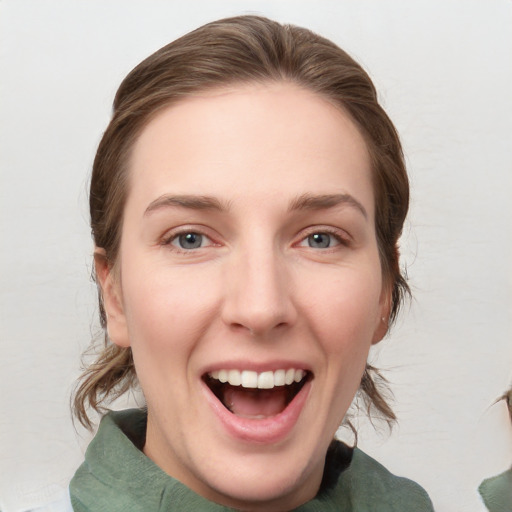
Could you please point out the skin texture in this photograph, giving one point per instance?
(257, 293)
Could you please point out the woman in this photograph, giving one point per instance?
(246, 202)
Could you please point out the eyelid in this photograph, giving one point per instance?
(342, 237)
(170, 235)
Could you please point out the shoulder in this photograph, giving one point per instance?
(496, 492)
(372, 487)
(381, 485)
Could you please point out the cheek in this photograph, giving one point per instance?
(166, 311)
(346, 311)
(343, 317)
(166, 320)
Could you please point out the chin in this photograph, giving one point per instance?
(255, 481)
(270, 493)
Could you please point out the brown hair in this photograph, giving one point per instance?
(238, 50)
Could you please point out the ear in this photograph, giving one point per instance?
(112, 299)
(384, 309)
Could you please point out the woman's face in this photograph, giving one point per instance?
(248, 260)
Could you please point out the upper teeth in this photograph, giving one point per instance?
(263, 380)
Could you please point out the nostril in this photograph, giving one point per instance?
(255, 330)
(240, 327)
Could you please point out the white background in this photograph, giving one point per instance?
(444, 72)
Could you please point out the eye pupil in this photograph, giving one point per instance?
(319, 240)
(190, 240)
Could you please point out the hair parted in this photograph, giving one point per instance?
(239, 50)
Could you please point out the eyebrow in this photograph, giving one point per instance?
(191, 202)
(326, 201)
(302, 202)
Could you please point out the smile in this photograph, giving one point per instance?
(256, 395)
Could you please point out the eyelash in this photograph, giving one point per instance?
(169, 238)
(341, 237)
(342, 240)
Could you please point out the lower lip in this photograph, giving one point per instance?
(266, 430)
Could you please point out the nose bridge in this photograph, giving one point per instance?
(259, 292)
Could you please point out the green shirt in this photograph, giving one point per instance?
(497, 492)
(117, 477)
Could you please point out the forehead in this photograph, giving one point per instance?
(257, 139)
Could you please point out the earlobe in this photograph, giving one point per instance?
(112, 300)
(380, 331)
(382, 325)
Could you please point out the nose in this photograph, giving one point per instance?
(259, 293)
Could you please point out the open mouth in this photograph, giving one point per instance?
(254, 395)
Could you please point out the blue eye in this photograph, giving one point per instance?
(188, 240)
(321, 240)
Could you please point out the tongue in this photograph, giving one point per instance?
(255, 403)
